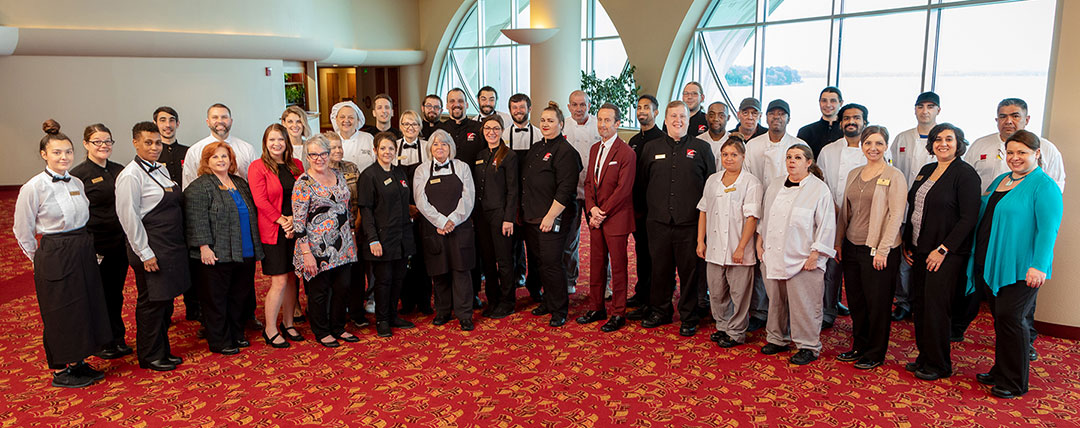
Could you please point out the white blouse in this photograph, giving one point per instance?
(137, 193)
(465, 202)
(45, 206)
(726, 209)
(796, 221)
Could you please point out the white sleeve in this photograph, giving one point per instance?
(128, 206)
(825, 223)
(1053, 165)
(26, 207)
(420, 181)
(752, 199)
(468, 192)
(191, 168)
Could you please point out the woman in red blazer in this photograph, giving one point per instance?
(271, 178)
(609, 181)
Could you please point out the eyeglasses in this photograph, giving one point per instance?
(98, 143)
(492, 129)
(432, 106)
(315, 156)
(410, 125)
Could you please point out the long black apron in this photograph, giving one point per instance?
(164, 227)
(70, 297)
(456, 250)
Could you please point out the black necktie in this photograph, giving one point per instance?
(438, 167)
(55, 178)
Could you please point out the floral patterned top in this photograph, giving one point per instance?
(321, 217)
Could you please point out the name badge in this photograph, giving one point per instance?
(883, 182)
(918, 178)
(401, 158)
(97, 180)
(435, 181)
(169, 189)
(387, 181)
(729, 190)
(479, 161)
(660, 156)
(75, 193)
(222, 187)
(351, 176)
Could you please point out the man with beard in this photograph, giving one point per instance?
(383, 112)
(357, 145)
(837, 159)
(432, 109)
(748, 127)
(172, 156)
(717, 135)
(693, 95)
(464, 131)
(582, 133)
(520, 137)
(219, 120)
(828, 128)
(646, 115)
(487, 98)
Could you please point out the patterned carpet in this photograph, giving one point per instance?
(513, 372)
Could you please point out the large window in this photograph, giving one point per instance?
(880, 53)
(480, 55)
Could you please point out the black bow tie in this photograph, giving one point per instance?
(438, 167)
(412, 145)
(516, 129)
(55, 178)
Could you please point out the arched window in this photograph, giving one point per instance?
(480, 54)
(880, 53)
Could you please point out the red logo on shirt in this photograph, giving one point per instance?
(547, 156)
(982, 157)
(470, 136)
(701, 128)
(404, 184)
(690, 153)
(901, 150)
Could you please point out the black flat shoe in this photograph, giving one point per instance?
(635, 302)
(290, 333)
(441, 319)
(1000, 392)
(466, 325)
(361, 322)
(243, 343)
(160, 366)
(557, 321)
(687, 329)
(986, 379)
(110, 353)
(501, 313)
(592, 316)
(849, 356)
(330, 344)
(402, 324)
(299, 319)
(350, 338)
(272, 341)
(655, 320)
(540, 311)
(614, 324)
(382, 329)
(232, 350)
(925, 374)
(66, 379)
(255, 324)
(825, 325)
(772, 348)
(174, 360)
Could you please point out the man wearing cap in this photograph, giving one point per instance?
(828, 128)
(693, 96)
(749, 115)
(909, 154)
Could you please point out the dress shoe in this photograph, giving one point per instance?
(124, 349)
(635, 302)
(174, 360)
(160, 365)
(255, 324)
(842, 310)
(755, 324)
(803, 357)
(382, 329)
(557, 320)
(900, 314)
(330, 344)
(466, 325)
(502, 312)
(912, 367)
(772, 348)
(867, 364)
(718, 336)
(402, 324)
(688, 329)
(272, 341)
(243, 343)
(83, 369)
(727, 342)
(291, 333)
(849, 356)
(925, 374)
(825, 325)
(540, 311)
(232, 350)
(639, 314)
(1033, 355)
(655, 320)
(614, 323)
(360, 322)
(1000, 392)
(986, 379)
(350, 338)
(441, 319)
(592, 316)
(111, 352)
(67, 379)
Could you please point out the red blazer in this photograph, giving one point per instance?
(267, 192)
(613, 194)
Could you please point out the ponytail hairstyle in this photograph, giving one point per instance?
(809, 154)
(554, 107)
(52, 133)
(500, 153)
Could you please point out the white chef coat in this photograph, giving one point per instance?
(137, 193)
(582, 137)
(244, 152)
(726, 209)
(765, 159)
(715, 145)
(45, 207)
(987, 155)
(909, 153)
(359, 149)
(796, 220)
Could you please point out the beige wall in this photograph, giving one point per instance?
(655, 35)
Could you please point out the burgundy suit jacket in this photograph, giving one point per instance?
(613, 193)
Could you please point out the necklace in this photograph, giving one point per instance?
(1011, 180)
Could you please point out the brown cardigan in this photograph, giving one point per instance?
(887, 211)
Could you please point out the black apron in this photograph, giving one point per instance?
(456, 250)
(70, 297)
(164, 227)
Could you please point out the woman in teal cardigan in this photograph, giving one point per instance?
(1014, 250)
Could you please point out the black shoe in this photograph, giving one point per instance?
(477, 303)
(295, 337)
(842, 310)
(727, 342)
(688, 329)
(912, 367)
(825, 325)
(350, 338)
(803, 357)
(718, 336)
(67, 379)
(867, 364)
(160, 365)
(755, 324)
(639, 314)
(361, 322)
(592, 316)
(255, 324)
(635, 302)
(1000, 392)
(466, 325)
(900, 314)
(925, 374)
(986, 379)
(330, 344)
(1033, 355)
(271, 341)
(501, 312)
(111, 352)
(849, 356)
(83, 369)
(655, 320)
(441, 319)
(540, 311)
(243, 343)
(613, 324)
(400, 323)
(772, 348)
(124, 349)
(174, 360)
(232, 350)
(557, 321)
(382, 328)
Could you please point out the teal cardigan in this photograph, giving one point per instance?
(1026, 222)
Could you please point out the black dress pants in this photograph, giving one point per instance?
(870, 293)
(152, 318)
(644, 262)
(546, 250)
(224, 291)
(1011, 334)
(674, 248)
(327, 294)
(360, 283)
(933, 296)
(496, 254)
(389, 277)
(416, 290)
(454, 294)
(113, 268)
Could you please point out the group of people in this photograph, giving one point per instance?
(762, 228)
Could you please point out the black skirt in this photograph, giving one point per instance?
(278, 257)
(70, 297)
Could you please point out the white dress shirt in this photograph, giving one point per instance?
(987, 155)
(605, 152)
(726, 209)
(909, 153)
(137, 193)
(582, 137)
(521, 140)
(245, 155)
(359, 149)
(715, 145)
(465, 202)
(836, 160)
(45, 206)
(411, 156)
(796, 221)
(765, 159)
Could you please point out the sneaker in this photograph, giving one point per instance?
(83, 369)
(66, 378)
(803, 357)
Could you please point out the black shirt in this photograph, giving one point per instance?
(674, 173)
(550, 173)
(497, 187)
(698, 124)
(100, 185)
(384, 212)
(466, 137)
(428, 129)
(760, 130)
(287, 183)
(371, 129)
(172, 155)
(637, 142)
(820, 133)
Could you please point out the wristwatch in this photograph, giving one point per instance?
(941, 250)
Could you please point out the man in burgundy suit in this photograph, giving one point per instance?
(609, 181)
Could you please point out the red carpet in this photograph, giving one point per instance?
(514, 372)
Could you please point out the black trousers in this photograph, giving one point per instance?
(870, 293)
(1011, 333)
(674, 249)
(360, 282)
(327, 293)
(389, 277)
(416, 291)
(453, 294)
(113, 268)
(152, 318)
(932, 298)
(644, 262)
(546, 250)
(191, 296)
(224, 291)
(496, 254)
